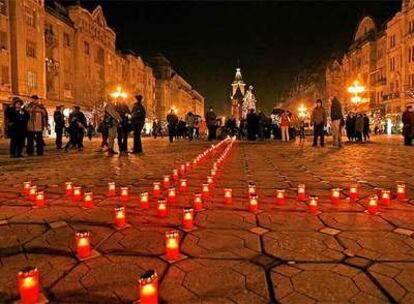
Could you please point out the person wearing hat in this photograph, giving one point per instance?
(16, 118)
(77, 125)
(408, 125)
(138, 122)
(59, 120)
(318, 120)
(38, 121)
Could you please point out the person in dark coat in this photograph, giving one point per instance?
(252, 125)
(172, 120)
(408, 125)
(359, 127)
(318, 121)
(138, 122)
(16, 118)
(59, 120)
(366, 129)
(38, 122)
(211, 120)
(231, 126)
(77, 126)
(124, 126)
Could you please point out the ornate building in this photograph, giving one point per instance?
(238, 91)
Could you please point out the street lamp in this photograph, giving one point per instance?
(356, 89)
(119, 93)
(302, 111)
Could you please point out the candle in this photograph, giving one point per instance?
(111, 189)
(385, 197)
(172, 249)
(88, 200)
(166, 181)
(187, 166)
(144, 200)
(183, 185)
(401, 192)
(301, 192)
(253, 203)
(175, 174)
(162, 207)
(26, 187)
(32, 193)
(353, 192)
(188, 218)
(198, 202)
(373, 204)
(251, 189)
(205, 190)
(83, 244)
(228, 196)
(335, 196)
(280, 197)
(29, 285)
(148, 288)
(210, 180)
(313, 204)
(120, 218)
(40, 199)
(77, 194)
(182, 169)
(69, 188)
(124, 194)
(156, 189)
(213, 173)
(172, 198)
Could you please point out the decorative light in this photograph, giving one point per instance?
(88, 200)
(172, 198)
(83, 244)
(188, 218)
(182, 169)
(197, 202)
(251, 188)
(124, 194)
(69, 188)
(356, 89)
(40, 199)
(148, 288)
(156, 189)
(26, 187)
(111, 189)
(373, 204)
(144, 200)
(172, 246)
(183, 185)
(401, 191)
(253, 203)
(228, 196)
(166, 181)
(29, 285)
(313, 204)
(175, 174)
(385, 197)
(353, 192)
(120, 217)
(210, 180)
(280, 197)
(162, 207)
(205, 190)
(118, 93)
(335, 196)
(301, 192)
(32, 193)
(77, 194)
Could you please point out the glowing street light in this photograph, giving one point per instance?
(302, 110)
(356, 89)
(119, 93)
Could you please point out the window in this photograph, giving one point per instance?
(100, 56)
(3, 40)
(5, 75)
(392, 41)
(30, 17)
(31, 80)
(392, 64)
(66, 39)
(86, 49)
(30, 49)
(3, 7)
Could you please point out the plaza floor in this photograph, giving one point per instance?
(279, 254)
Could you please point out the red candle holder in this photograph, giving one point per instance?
(280, 197)
(183, 185)
(83, 245)
(198, 202)
(251, 189)
(120, 216)
(313, 204)
(301, 192)
(401, 192)
(210, 180)
(26, 187)
(148, 288)
(32, 193)
(188, 218)
(172, 246)
(353, 192)
(213, 173)
(335, 196)
(205, 191)
(172, 197)
(77, 194)
(174, 174)
(166, 181)
(385, 197)
(28, 281)
(228, 196)
(182, 169)
(40, 199)
(124, 194)
(253, 203)
(88, 200)
(187, 166)
(111, 189)
(162, 207)
(69, 188)
(144, 200)
(373, 204)
(156, 190)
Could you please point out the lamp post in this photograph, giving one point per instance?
(356, 89)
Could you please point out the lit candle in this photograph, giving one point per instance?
(401, 191)
(83, 244)
(253, 203)
(32, 193)
(198, 202)
(210, 180)
(144, 200)
(182, 169)
(313, 204)
(120, 218)
(205, 190)
(172, 248)
(69, 188)
(213, 173)
(183, 185)
(156, 189)
(373, 204)
(301, 192)
(111, 189)
(335, 196)
(148, 288)
(353, 192)
(187, 166)
(88, 200)
(40, 199)
(175, 174)
(188, 218)
(385, 197)
(228, 196)
(77, 194)
(29, 285)
(124, 194)
(280, 197)
(251, 189)
(162, 207)
(171, 195)
(166, 181)
(26, 187)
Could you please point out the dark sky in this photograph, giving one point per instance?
(272, 40)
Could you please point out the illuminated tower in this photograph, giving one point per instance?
(237, 94)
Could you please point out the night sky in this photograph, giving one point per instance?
(272, 40)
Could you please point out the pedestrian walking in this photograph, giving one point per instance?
(211, 120)
(408, 125)
(284, 126)
(91, 130)
(275, 123)
(77, 126)
(111, 119)
(38, 121)
(301, 131)
(252, 121)
(172, 120)
(318, 120)
(124, 126)
(138, 122)
(190, 122)
(359, 127)
(16, 119)
(336, 118)
(366, 131)
(59, 120)
(103, 129)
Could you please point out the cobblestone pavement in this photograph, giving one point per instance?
(279, 254)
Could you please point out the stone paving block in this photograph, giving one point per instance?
(355, 221)
(292, 221)
(403, 231)
(330, 231)
(259, 230)
(226, 219)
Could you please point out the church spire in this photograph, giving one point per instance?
(238, 83)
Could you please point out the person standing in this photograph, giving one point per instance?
(16, 118)
(284, 126)
(301, 131)
(366, 129)
(318, 120)
(359, 127)
(111, 121)
(408, 125)
(77, 126)
(124, 126)
(336, 118)
(172, 120)
(38, 121)
(59, 120)
(190, 121)
(211, 120)
(138, 122)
